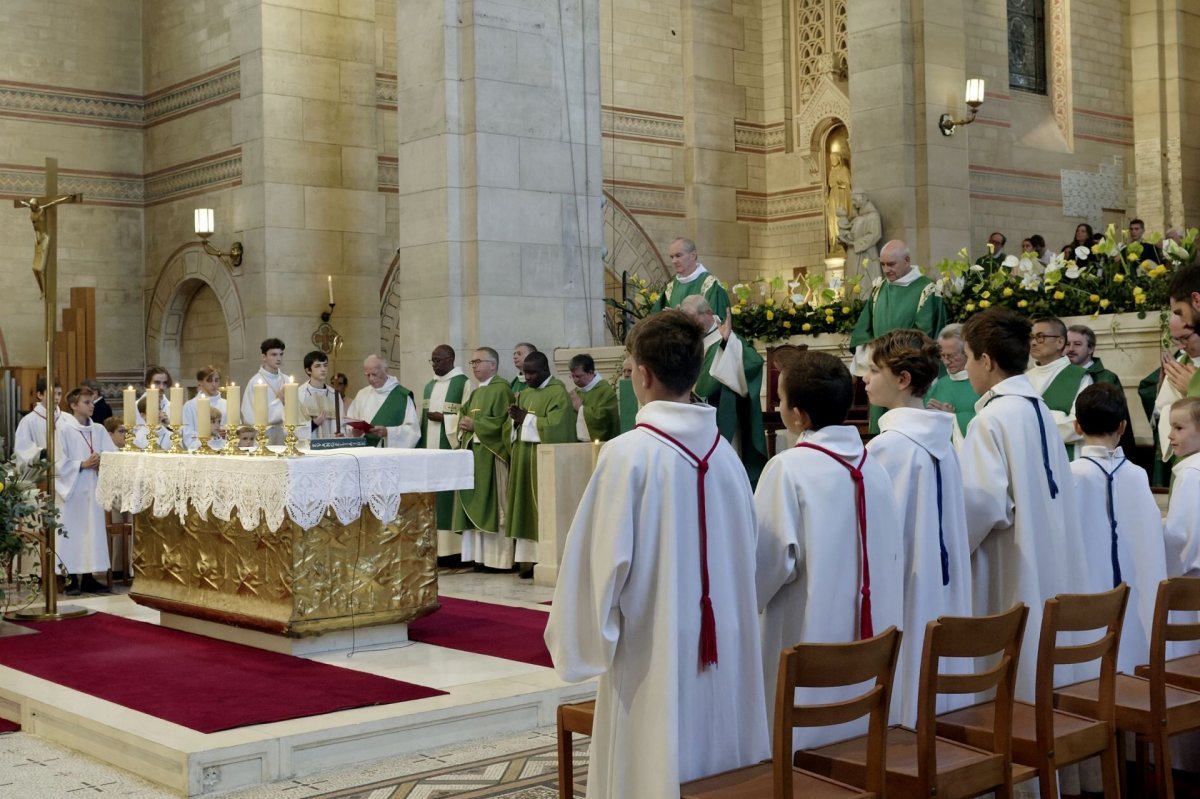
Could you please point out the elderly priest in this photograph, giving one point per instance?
(386, 407)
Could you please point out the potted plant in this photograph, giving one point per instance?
(25, 519)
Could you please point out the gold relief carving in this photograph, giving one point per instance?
(292, 581)
(1059, 34)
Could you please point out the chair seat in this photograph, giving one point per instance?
(756, 782)
(578, 718)
(1133, 703)
(1182, 672)
(1075, 737)
(962, 770)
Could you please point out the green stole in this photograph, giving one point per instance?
(443, 500)
(707, 286)
(738, 414)
(516, 385)
(555, 425)
(628, 403)
(1061, 392)
(391, 413)
(600, 412)
(478, 508)
(1101, 375)
(957, 393)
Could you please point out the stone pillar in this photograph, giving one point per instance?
(1166, 119)
(908, 67)
(500, 178)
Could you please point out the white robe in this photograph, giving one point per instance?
(1026, 546)
(809, 559)
(448, 542)
(312, 398)
(1140, 550)
(30, 437)
(1166, 397)
(275, 382)
(1182, 529)
(141, 434)
(627, 609)
(908, 443)
(367, 403)
(1040, 377)
(188, 429)
(84, 549)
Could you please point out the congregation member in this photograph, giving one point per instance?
(519, 354)
(541, 414)
(1183, 514)
(1083, 238)
(595, 402)
(82, 546)
(385, 409)
(655, 594)
(101, 410)
(29, 439)
(269, 373)
(901, 298)
(915, 447)
(731, 381)
(995, 255)
(691, 279)
(160, 379)
(1022, 520)
(479, 510)
(1055, 378)
(952, 393)
(1040, 250)
(1150, 252)
(208, 386)
(1119, 519)
(320, 401)
(830, 542)
(440, 407)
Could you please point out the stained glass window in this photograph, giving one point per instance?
(1027, 45)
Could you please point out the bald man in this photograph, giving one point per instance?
(386, 406)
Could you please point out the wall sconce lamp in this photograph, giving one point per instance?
(204, 229)
(947, 123)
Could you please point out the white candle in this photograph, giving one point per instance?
(152, 408)
(175, 409)
(291, 403)
(595, 453)
(329, 280)
(203, 417)
(233, 407)
(260, 403)
(130, 408)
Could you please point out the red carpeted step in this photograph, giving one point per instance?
(197, 682)
(486, 629)
(9, 726)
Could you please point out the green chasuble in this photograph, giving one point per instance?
(628, 402)
(735, 414)
(555, 425)
(957, 393)
(707, 284)
(450, 405)
(478, 508)
(391, 413)
(1061, 392)
(891, 307)
(600, 412)
(1101, 375)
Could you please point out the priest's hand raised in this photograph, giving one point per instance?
(517, 414)
(725, 326)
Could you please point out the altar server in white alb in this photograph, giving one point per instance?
(1022, 519)
(158, 379)
(386, 406)
(269, 372)
(915, 446)
(830, 543)
(655, 593)
(30, 437)
(208, 387)
(83, 549)
(1183, 514)
(1119, 519)
(319, 403)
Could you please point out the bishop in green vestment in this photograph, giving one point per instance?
(902, 298)
(595, 402)
(387, 406)
(542, 415)
(691, 279)
(439, 430)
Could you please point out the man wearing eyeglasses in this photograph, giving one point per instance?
(1054, 376)
(439, 430)
(1177, 378)
(1185, 295)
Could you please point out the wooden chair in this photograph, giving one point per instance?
(577, 719)
(921, 764)
(1149, 707)
(817, 666)
(1043, 737)
(1181, 672)
(122, 530)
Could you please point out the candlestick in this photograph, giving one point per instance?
(129, 408)
(152, 420)
(595, 453)
(329, 280)
(260, 403)
(231, 442)
(260, 439)
(175, 407)
(289, 442)
(233, 406)
(177, 447)
(204, 448)
(291, 403)
(203, 418)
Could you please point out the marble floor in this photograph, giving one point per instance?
(31, 766)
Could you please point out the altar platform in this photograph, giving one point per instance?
(485, 696)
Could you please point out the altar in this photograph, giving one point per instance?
(296, 547)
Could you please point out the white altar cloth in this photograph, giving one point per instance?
(263, 489)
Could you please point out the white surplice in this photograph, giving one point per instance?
(1026, 546)
(275, 383)
(1182, 528)
(1141, 555)
(30, 437)
(188, 428)
(325, 399)
(141, 432)
(367, 403)
(448, 542)
(627, 609)
(810, 563)
(1040, 377)
(84, 548)
(915, 447)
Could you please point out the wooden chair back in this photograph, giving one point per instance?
(977, 637)
(1174, 594)
(831, 666)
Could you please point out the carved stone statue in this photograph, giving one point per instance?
(863, 237)
(838, 196)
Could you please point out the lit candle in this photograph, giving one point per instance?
(152, 408)
(329, 280)
(175, 409)
(291, 403)
(595, 453)
(203, 418)
(233, 407)
(130, 408)
(260, 403)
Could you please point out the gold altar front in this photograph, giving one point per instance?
(292, 581)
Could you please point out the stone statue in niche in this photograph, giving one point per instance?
(863, 236)
(837, 180)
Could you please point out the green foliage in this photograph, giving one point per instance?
(25, 515)
(771, 309)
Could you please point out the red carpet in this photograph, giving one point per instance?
(190, 680)
(486, 629)
(9, 726)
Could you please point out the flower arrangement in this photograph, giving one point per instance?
(638, 305)
(770, 309)
(25, 519)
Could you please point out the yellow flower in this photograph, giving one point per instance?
(1, 486)
(654, 296)
(984, 304)
(1008, 292)
(1104, 303)
(736, 310)
(1148, 266)
(986, 294)
(770, 302)
(1118, 278)
(643, 291)
(1093, 298)
(1022, 303)
(742, 301)
(806, 327)
(1138, 299)
(845, 310)
(791, 311)
(770, 315)
(1058, 295)
(787, 325)
(970, 306)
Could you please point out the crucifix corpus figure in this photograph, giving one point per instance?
(38, 215)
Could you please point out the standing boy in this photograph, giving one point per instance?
(321, 403)
(83, 547)
(1183, 514)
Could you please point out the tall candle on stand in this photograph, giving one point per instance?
(260, 403)
(151, 407)
(175, 409)
(130, 408)
(203, 418)
(233, 408)
(291, 403)
(329, 280)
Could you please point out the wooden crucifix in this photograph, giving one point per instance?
(43, 213)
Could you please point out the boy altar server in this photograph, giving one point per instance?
(1118, 516)
(84, 547)
(1183, 514)
(655, 592)
(915, 446)
(270, 375)
(830, 546)
(1021, 516)
(29, 440)
(319, 401)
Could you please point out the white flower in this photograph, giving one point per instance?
(735, 289)
(794, 284)
(1073, 271)
(1055, 263)
(1030, 281)
(1082, 253)
(797, 299)
(976, 268)
(1010, 261)
(835, 283)
(1172, 248)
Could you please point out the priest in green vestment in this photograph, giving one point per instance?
(691, 279)
(478, 511)
(1081, 349)
(902, 298)
(439, 430)
(542, 414)
(594, 401)
(522, 349)
(731, 381)
(386, 406)
(1057, 379)
(627, 401)
(952, 392)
